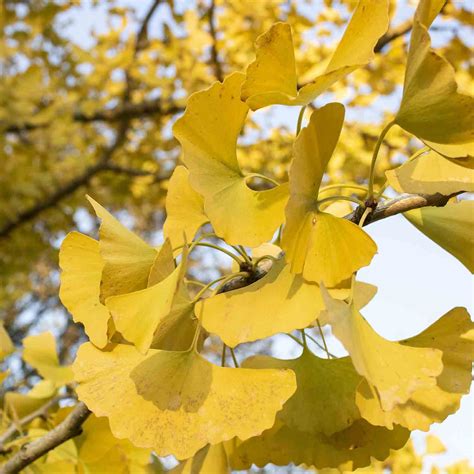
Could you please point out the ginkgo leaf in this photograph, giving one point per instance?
(271, 78)
(139, 315)
(208, 133)
(184, 209)
(394, 370)
(6, 344)
(163, 265)
(324, 401)
(362, 294)
(458, 152)
(17, 405)
(434, 445)
(278, 302)
(179, 415)
(99, 448)
(450, 227)
(319, 245)
(81, 266)
(40, 352)
(127, 258)
(346, 450)
(208, 460)
(431, 107)
(431, 173)
(453, 334)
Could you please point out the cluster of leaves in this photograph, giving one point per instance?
(296, 256)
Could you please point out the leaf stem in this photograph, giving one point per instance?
(262, 176)
(212, 246)
(323, 338)
(241, 251)
(311, 338)
(339, 198)
(370, 193)
(232, 353)
(228, 278)
(300, 120)
(295, 339)
(224, 347)
(343, 186)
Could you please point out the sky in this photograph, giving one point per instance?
(417, 281)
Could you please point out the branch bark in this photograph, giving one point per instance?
(402, 203)
(214, 53)
(29, 453)
(15, 427)
(121, 112)
(392, 34)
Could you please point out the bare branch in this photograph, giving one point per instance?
(214, 53)
(116, 114)
(68, 188)
(29, 453)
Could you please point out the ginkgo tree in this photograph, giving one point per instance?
(145, 382)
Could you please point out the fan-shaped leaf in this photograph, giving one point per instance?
(144, 405)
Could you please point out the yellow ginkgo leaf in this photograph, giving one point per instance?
(431, 107)
(324, 401)
(177, 402)
(184, 209)
(163, 265)
(208, 460)
(450, 227)
(278, 302)
(208, 133)
(453, 334)
(6, 344)
(346, 450)
(81, 266)
(271, 78)
(140, 315)
(394, 370)
(463, 152)
(40, 352)
(17, 405)
(319, 245)
(434, 445)
(431, 173)
(127, 258)
(99, 448)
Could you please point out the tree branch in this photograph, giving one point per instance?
(121, 112)
(68, 188)
(214, 53)
(69, 428)
(403, 203)
(392, 34)
(15, 427)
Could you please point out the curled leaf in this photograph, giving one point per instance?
(431, 107)
(271, 78)
(127, 258)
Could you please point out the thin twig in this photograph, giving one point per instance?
(16, 427)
